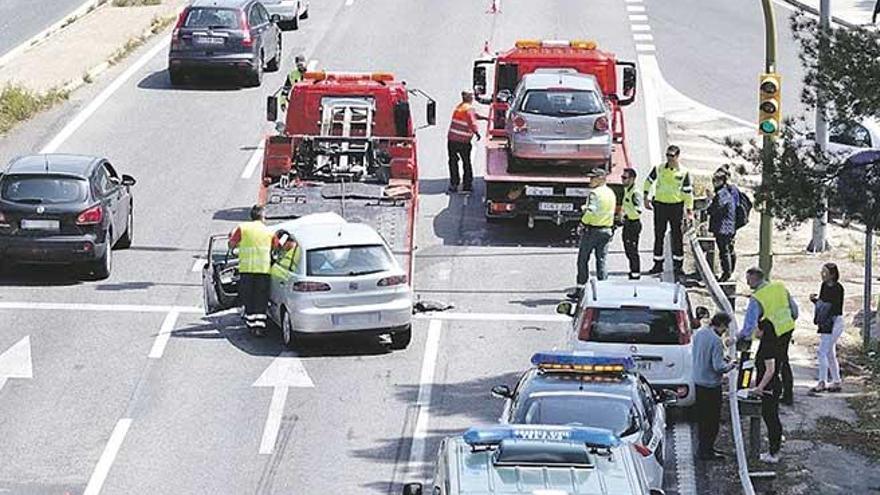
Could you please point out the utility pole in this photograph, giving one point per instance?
(818, 242)
(869, 260)
(765, 256)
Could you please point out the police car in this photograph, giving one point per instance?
(651, 321)
(536, 460)
(564, 388)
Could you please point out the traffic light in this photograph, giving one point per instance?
(770, 108)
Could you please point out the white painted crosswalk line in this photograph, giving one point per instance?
(644, 47)
(640, 27)
(635, 8)
(638, 18)
(643, 37)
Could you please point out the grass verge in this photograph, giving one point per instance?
(135, 3)
(156, 26)
(18, 104)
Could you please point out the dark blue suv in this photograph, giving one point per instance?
(237, 36)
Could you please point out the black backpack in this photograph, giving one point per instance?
(743, 208)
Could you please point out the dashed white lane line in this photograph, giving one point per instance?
(253, 162)
(635, 8)
(423, 401)
(638, 18)
(645, 47)
(111, 308)
(349, 3)
(640, 27)
(164, 334)
(643, 37)
(95, 104)
(102, 469)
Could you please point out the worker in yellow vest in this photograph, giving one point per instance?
(596, 227)
(255, 242)
(630, 217)
(770, 317)
(673, 200)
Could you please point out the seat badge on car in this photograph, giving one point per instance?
(41, 209)
(353, 285)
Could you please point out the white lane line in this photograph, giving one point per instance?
(645, 47)
(684, 460)
(107, 457)
(349, 3)
(198, 264)
(492, 317)
(273, 420)
(643, 37)
(640, 27)
(638, 18)
(164, 334)
(253, 162)
(43, 35)
(423, 402)
(99, 100)
(113, 308)
(635, 8)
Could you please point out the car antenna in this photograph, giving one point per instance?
(635, 290)
(46, 162)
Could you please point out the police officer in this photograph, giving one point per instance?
(673, 199)
(294, 76)
(630, 218)
(771, 306)
(596, 226)
(255, 242)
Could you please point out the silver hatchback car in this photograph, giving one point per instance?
(560, 115)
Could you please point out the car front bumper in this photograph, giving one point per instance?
(374, 318)
(596, 149)
(52, 249)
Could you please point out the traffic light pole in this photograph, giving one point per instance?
(765, 251)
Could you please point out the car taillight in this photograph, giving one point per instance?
(3, 222)
(601, 124)
(586, 323)
(684, 327)
(247, 41)
(641, 449)
(175, 35)
(392, 280)
(311, 287)
(519, 124)
(92, 216)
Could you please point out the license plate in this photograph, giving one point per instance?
(208, 40)
(539, 191)
(577, 192)
(356, 319)
(643, 366)
(41, 224)
(556, 207)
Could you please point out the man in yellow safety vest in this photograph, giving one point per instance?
(673, 200)
(631, 219)
(596, 227)
(254, 241)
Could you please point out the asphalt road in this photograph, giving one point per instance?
(189, 419)
(22, 19)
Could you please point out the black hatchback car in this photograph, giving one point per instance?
(64, 209)
(237, 36)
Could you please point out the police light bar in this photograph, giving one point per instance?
(570, 362)
(494, 435)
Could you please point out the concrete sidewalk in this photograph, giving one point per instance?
(850, 13)
(78, 53)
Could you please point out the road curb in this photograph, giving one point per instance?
(815, 11)
(86, 8)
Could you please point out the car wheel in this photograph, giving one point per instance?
(176, 76)
(255, 76)
(305, 14)
(288, 336)
(102, 266)
(274, 63)
(400, 339)
(124, 242)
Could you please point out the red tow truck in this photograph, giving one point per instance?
(546, 190)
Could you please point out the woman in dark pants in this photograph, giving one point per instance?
(722, 221)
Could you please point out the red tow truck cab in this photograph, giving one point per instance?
(347, 145)
(547, 193)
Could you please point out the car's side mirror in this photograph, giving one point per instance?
(431, 112)
(501, 392)
(412, 489)
(275, 19)
(271, 108)
(629, 81)
(565, 308)
(504, 96)
(128, 180)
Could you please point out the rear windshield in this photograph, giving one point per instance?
(348, 261)
(561, 103)
(612, 413)
(200, 17)
(44, 189)
(634, 326)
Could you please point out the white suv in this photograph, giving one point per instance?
(651, 321)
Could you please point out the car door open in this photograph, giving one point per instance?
(220, 275)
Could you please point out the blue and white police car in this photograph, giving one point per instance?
(536, 460)
(565, 388)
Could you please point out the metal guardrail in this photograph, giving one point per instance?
(722, 302)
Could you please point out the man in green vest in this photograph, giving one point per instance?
(630, 218)
(294, 76)
(595, 227)
(673, 201)
(254, 241)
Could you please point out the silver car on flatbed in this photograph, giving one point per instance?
(287, 13)
(341, 277)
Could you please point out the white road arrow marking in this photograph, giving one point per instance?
(285, 371)
(15, 362)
